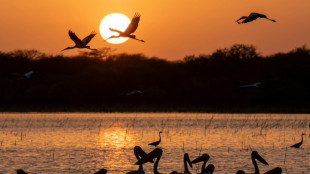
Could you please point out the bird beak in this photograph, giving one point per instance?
(261, 159)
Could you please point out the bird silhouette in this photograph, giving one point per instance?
(139, 153)
(20, 171)
(131, 28)
(101, 171)
(255, 156)
(205, 158)
(186, 160)
(297, 145)
(156, 153)
(156, 143)
(80, 43)
(252, 17)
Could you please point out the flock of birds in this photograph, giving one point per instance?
(144, 157)
(132, 27)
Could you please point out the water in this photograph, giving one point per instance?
(86, 142)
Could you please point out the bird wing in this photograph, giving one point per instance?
(75, 39)
(87, 39)
(132, 27)
(116, 30)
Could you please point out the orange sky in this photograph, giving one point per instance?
(172, 29)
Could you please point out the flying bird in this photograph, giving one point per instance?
(131, 28)
(80, 43)
(252, 17)
(297, 145)
(156, 143)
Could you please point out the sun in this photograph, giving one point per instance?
(117, 21)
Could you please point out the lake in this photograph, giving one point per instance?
(86, 142)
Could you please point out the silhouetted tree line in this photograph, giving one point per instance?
(105, 79)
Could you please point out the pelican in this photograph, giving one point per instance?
(156, 153)
(255, 156)
(297, 145)
(186, 160)
(252, 17)
(156, 143)
(80, 43)
(205, 158)
(101, 171)
(131, 28)
(139, 153)
(20, 171)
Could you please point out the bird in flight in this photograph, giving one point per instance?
(252, 17)
(80, 43)
(132, 27)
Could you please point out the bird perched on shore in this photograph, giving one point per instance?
(132, 27)
(297, 145)
(80, 43)
(156, 143)
(252, 17)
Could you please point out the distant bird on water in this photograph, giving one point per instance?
(156, 143)
(297, 145)
(252, 17)
(20, 171)
(132, 27)
(80, 43)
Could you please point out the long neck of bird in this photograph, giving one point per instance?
(159, 136)
(185, 166)
(156, 164)
(302, 138)
(203, 166)
(255, 165)
(140, 167)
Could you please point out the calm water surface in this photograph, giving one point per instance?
(86, 142)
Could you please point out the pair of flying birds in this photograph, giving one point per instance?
(132, 27)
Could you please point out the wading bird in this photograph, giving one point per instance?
(156, 143)
(80, 43)
(101, 171)
(132, 27)
(205, 158)
(156, 153)
(255, 156)
(297, 145)
(252, 17)
(186, 160)
(20, 171)
(139, 153)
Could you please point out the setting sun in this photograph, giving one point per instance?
(116, 21)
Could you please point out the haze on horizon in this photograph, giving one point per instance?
(172, 29)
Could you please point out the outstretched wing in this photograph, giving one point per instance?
(132, 27)
(116, 30)
(75, 39)
(87, 39)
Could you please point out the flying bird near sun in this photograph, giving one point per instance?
(131, 28)
(252, 17)
(80, 43)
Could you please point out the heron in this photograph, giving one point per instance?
(252, 17)
(297, 145)
(21, 171)
(156, 153)
(101, 171)
(80, 43)
(139, 153)
(156, 143)
(205, 158)
(186, 160)
(131, 28)
(255, 156)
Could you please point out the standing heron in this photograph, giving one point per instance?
(80, 43)
(297, 145)
(252, 17)
(186, 160)
(156, 143)
(131, 28)
(255, 156)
